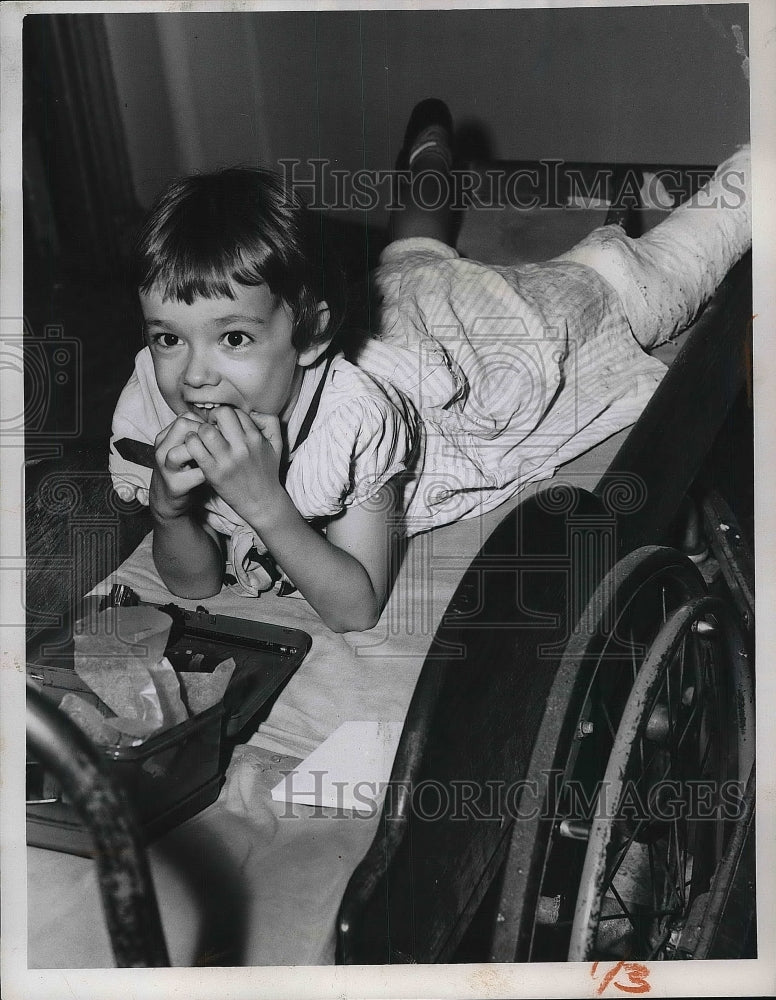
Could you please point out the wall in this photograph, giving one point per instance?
(199, 90)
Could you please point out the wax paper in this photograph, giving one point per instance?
(119, 655)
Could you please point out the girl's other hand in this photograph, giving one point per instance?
(176, 473)
(269, 426)
(240, 458)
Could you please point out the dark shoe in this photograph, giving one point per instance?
(430, 129)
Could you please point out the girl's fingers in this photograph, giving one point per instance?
(211, 437)
(178, 457)
(178, 429)
(171, 438)
(189, 479)
(199, 451)
(227, 420)
(269, 425)
(249, 429)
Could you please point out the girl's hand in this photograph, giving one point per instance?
(240, 459)
(345, 575)
(175, 474)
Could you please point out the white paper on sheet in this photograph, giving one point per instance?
(349, 770)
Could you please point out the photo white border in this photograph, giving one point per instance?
(729, 978)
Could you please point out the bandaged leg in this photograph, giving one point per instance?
(665, 277)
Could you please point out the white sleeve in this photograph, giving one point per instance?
(140, 415)
(351, 453)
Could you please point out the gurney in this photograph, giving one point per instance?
(479, 671)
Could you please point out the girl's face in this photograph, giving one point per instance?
(225, 352)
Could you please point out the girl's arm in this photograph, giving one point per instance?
(188, 558)
(346, 575)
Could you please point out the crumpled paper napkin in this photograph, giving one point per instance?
(119, 655)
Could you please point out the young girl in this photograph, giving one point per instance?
(277, 463)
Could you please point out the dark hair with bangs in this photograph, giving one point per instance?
(240, 225)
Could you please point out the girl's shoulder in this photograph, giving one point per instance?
(365, 432)
(350, 387)
(140, 411)
(356, 405)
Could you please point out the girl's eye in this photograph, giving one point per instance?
(165, 339)
(235, 338)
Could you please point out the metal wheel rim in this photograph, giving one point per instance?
(632, 725)
(642, 570)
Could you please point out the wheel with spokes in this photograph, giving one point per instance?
(623, 624)
(672, 789)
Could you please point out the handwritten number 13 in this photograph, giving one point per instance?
(636, 973)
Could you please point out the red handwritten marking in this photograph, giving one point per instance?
(637, 977)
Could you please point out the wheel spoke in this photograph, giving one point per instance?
(624, 908)
(621, 855)
(608, 720)
(705, 757)
(655, 951)
(645, 771)
(693, 713)
(651, 858)
(681, 864)
(669, 882)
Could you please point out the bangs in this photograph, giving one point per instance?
(190, 257)
(185, 279)
(208, 232)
